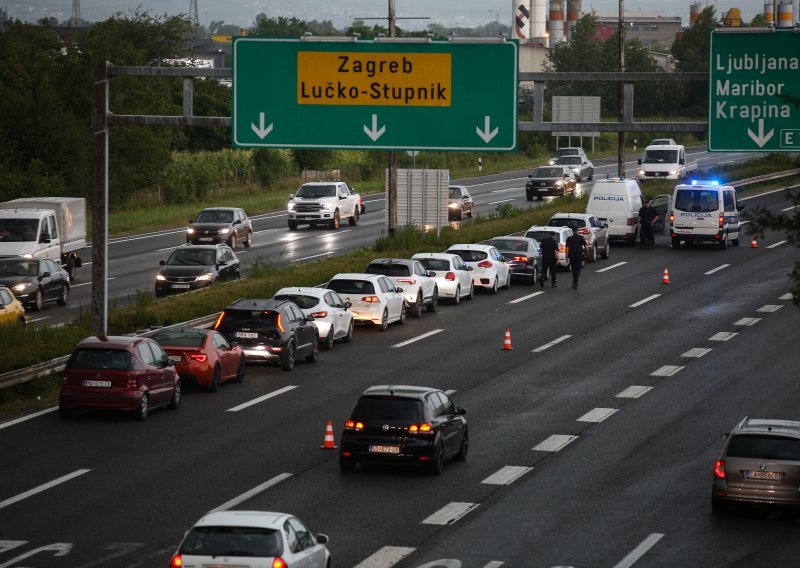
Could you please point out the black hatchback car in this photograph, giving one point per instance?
(229, 225)
(190, 267)
(35, 281)
(404, 424)
(271, 331)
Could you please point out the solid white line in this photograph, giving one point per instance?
(640, 302)
(450, 392)
(326, 253)
(666, 371)
(450, 513)
(597, 415)
(779, 243)
(81, 284)
(723, 336)
(27, 417)
(523, 298)
(747, 321)
(612, 266)
(506, 189)
(554, 443)
(262, 398)
(252, 492)
(697, 352)
(788, 208)
(769, 308)
(717, 269)
(506, 475)
(501, 201)
(39, 319)
(639, 551)
(549, 345)
(43, 487)
(634, 391)
(417, 338)
(386, 557)
(167, 248)
(787, 296)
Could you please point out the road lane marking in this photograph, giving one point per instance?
(788, 208)
(723, 336)
(549, 345)
(43, 487)
(81, 284)
(634, 391)
(252, 492)
(613, 266)
(417, 338)
(34, 320)
(501, 201)
(261, 398)
(769, 308)
(326, 253)
(450, 392)
(523, 298)
(696, 352)
(747, 321)
(639, 551)
(787, 296)
(506, 189)
(117, 549)
(597, 415)
(779, 243)
(554, 443)
(167, 248)
(450, 513)
(647, 299)
(717, 269)
(386, 557)
(27, 417)
(507, 475)
(666, 371)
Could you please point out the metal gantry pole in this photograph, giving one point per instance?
(99, 201)
(621, 134)
(391, 198)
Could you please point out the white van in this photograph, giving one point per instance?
(705, 211)
(616, 202)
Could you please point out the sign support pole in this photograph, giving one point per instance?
(391, 198)
(100, 198)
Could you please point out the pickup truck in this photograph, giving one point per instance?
(323, 203)
(665, 161)
(44, 227)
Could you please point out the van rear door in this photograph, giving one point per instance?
(697, 211)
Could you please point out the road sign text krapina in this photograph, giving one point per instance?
(754, 91)
(374, 95)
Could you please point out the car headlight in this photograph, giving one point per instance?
(329, 206)
(21, 287)
(205, 277)
(641, 172)
(552, 162)
(559, 183)
(224, 231)
(160, 277)
(190, 231)
(290, 207)
(673, 172)
(453, 205)
(576, 170)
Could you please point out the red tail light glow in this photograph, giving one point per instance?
(320, 315)
(629, 221)
(219, 320)
(562, 247)
(176, 562)
(583, 231)
(719, 469)
(419, 428)
(407, 281)
(371, 299)
(485, 264)
(450, 276)
(521, 259)
(201, 357)
(280, 323)
(132, 384)
(721, 220)
(353, 425)
(278, 563)
(672, 218)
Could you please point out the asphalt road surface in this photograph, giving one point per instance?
(592, 441)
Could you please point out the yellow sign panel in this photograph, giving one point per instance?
(385, 79)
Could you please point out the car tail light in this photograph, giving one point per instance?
(320, 315)
(629, 221)
(521, 259)
(719, 469)
(450, 276)
(353, 425)
(219, 320)
(583, 231)
(132, 384)
(672, 218)
(721, 220)
(371, 299)
(176, 562)
(485, 264)
(278, 563)
(423, 428)
(410, 281)
(280, 324)
(562, 247)
(201, 357)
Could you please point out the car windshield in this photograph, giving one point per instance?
(470, 255)
(238, 317)
(662, 142)
(232, 541)
(14, 267)
(100, 359)
(214, 216)
(189, 257)
(345, 286)
(303, 301)
(567, 152)
(454, 193)
(314, 191)
(537, 235)
(764, 447)
(697, 200)
(388, 269)
(509, 245)
(18, 230)
(570, 160)
(573, 224)
(548, 172)
(179, 338)
(435, 263)
(380, 407)
(660, 157)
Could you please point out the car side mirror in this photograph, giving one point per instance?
(165, 362)
(347, 304)
(399, 290)
(322, 539)
(309, 317)
(639, 161)
(162, 262)
(469, 269)
(44, 238)
(460, 411)
(530, 176)
(191, 221)
(725, 436)
(430, 274)
(237, 222)
(291, 196)
(605, 225)
(681, 161)
(739, 205)
(45, 274)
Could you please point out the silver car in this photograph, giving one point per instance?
(590, 228)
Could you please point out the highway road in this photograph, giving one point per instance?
(592, 441)
(134, 259)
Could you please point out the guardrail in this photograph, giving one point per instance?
(57, 365)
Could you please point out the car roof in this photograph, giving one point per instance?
(258, 519)
(438, 255)
(222, 209)
(322, 182)
(405, 261)
(184, 331)
(470, 246)
(512, 238)
(571, 216)
(546, 228)
(110, 341)
(257, 304)
(357, 276)
(405, 391)
(308, 290)
(190, 246)
(769, 426)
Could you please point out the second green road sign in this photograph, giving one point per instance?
(754, 84)
(374, 95)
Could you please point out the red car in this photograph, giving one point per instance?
(131, 374)
(203, 356)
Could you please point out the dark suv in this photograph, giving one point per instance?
(229, 225)
(760, 463)
(273, 331)
(404, 424)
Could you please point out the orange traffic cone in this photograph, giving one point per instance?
(754, 243)
(507, 342)
(665, 277)
(328, 443)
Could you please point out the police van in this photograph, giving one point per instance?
(616, 202)
(705, 211)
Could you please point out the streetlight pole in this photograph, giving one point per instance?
(621, 134)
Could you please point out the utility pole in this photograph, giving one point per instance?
(391, 198)
(621, 134)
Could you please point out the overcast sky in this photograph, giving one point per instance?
(467, 13)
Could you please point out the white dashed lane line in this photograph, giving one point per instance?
(747, 321)
(613, 266)
(386, 557)
(634, 391)
(27, 417)
(597, 415)
(779, 243)
(417, 338)
(549, 345)
(528, 297)
(640, 302)
(717, 269)
(252, 492)
(787, 296)
(723, 336)
(43, 487)
(666, 371)
(261, 398)
(788, 208)
(507, 475)
(696, 352)
(769, 308)
(326, 253)
(450, 513)
(555, 443)
(635, 554)
(501, 201)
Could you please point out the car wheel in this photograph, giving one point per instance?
(240, 373)
(437, 463)
(402, 320)
(249, 240)
(349, 337)
(417, 311)
(337, 221)
(327, 345)
(65, 413)
(354, 219)
(470, 212)
(461, 214)
(434, 305)
(231, 242)
(346, 463)
(606, 250)
(463, 449)
(292, 225)
(493, 290)
(142, 411)
(158, 293)
(64, 297)
(175, 403)
(215, 379)
(735, 242)
(314, 355)
(540, 198)
(723, 243)
(508, 281)
(287, 357)
(591, 175)
(38, 301)
(72, 268)
(471, 291)
(529, 197)
(593, 256)
(457, 297)
(384, 321)
(676, 242)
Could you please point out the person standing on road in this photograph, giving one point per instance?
(576, 251)
(647, 220)
(548, 249)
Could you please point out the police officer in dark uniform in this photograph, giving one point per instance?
(647, 220)
(576, 250)
(548, 249)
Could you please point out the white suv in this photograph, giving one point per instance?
(419, 286)
(590, 228)
(373, 297)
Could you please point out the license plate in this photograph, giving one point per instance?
(681, 230)
(180, 286)
(384, 449)
(247, 334)
(205, 239)
(175, 358)
(543, 189)
(768, 475)
(94, 383)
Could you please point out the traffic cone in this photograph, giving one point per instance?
(665, 277)
(507, 342)
(328, 443)
(754, 243)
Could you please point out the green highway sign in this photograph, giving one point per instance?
(375, 95)
(754, 91)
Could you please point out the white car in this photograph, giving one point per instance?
(331, 315)
(373, 298)
(251, 539)
(539, 232)
(453, 276)
(419, 287)
(489, 269)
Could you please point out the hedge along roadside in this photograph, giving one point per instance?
(29, 346)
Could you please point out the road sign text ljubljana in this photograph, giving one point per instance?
(754, 84)
(374, 95)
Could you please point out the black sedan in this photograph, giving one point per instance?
(35, 281)
(553, 181)
(229, 225)
(190, 267)
(522, 256)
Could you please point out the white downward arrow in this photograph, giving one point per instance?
(374, 133)
(760, 139)
(485, 134)
(260, 130)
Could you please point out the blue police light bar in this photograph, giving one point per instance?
(705, 182)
